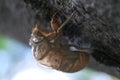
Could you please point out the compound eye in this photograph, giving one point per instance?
(37, 39)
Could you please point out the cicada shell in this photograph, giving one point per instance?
(54, 54)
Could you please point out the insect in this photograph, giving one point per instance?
(48, 50)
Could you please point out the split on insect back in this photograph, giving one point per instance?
(48, 50)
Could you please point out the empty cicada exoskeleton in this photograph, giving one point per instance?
(49, 51)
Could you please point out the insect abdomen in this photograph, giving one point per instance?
(66, 63)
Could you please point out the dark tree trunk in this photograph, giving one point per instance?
(97, 22)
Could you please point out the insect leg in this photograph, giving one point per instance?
(71, 16)
(54, 23)
(56, 26)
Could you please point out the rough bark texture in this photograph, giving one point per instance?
(97, 22)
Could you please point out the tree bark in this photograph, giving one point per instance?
(97, 20)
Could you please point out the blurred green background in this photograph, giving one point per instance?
(18, 63)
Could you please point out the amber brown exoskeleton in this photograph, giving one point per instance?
(49, 51)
